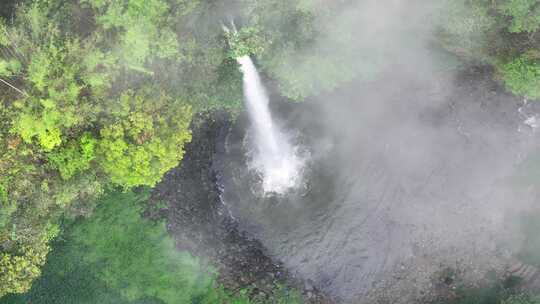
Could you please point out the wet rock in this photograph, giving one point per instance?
(201, 223)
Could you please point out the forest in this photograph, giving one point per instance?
(100, 99)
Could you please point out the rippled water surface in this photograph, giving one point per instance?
(421, 173)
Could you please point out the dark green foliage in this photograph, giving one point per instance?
(118, 257)
(521, 299)
(134, 256)
(7, 207)
(524, 14)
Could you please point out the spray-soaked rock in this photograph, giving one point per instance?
(203, 225)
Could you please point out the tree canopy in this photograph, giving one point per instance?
(100, 94)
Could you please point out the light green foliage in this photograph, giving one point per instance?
(313, 75)
(285, 32)
(522, 76)
(44, 126)
(53, 104)
(7, 207)
(144, 139)
(40, 67)
(75, 157)
(18, 272)
(525, 15)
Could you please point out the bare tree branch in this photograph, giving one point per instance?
(13, 87)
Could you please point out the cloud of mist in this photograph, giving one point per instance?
(414, 164)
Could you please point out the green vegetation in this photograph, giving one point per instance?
(503, 33)
(244, 42)
(118, 257)
(143, 138)
(99, 95)
(308, 47)
(524, 15)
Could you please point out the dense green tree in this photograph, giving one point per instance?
(18, 269)
(143, 138)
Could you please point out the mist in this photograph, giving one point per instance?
(414, 165)
(269, 151)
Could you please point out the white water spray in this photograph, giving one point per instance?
(275, 158)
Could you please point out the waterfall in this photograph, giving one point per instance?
(274, 158)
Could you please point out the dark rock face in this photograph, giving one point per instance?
(203, 225)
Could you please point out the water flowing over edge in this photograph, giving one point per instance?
(274, 157)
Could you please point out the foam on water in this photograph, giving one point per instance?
(275, 158)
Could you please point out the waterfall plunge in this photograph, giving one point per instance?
(275, 158)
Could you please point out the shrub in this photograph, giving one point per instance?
(522, 76)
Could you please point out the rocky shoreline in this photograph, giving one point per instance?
(203, 225)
